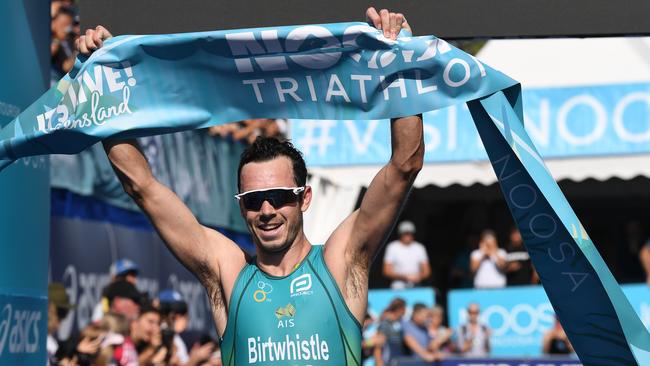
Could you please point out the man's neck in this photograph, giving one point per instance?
(283, 263)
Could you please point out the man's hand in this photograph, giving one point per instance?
(92, 40)
(414, 279)
(390, 23)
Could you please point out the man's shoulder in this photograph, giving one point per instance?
(392, 246)
(409, 326)
(419, 245)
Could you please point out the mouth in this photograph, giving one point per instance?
(269, 231)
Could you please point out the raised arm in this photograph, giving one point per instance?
(192, 243)
(202, 250)
(387, 191)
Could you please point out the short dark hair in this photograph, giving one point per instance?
(396, 304)
(269, 148)
(124, 289)
(419, 306)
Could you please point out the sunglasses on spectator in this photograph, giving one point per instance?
(277, 197)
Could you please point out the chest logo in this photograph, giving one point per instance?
(262, 292)
(285, 316)
(301, 285)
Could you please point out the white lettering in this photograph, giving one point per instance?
(600, 122)
(361, 144)
(339, 91)
(446, 74)
(255, 84)
(619, 123)
(321, 60)
(362, 85)
(112, 78)
(290, 91)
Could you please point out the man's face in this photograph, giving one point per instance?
(421, 317)
(180, 322)
(53, 320)
(406, 238)
(147, 326)
(127, 307)
(61, 26)
(473, 312)
(515, 238)
(274, 229)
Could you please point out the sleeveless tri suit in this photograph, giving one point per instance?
(296, 320)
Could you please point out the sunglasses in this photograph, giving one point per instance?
(277, 197)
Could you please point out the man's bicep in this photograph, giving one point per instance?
(191, 242)
(379, 208)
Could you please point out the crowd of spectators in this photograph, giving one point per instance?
(406, 263)
(129, 328)
(248, 130)
(422, 335)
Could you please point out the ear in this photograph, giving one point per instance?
(306, 199)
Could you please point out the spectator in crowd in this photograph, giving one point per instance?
(124, 301)
(64, 21)
(121, 270)
(488, 262)
(153, 345)
(86, 350)
(173, 312)
(390, 326)
(124, 269)
(416, 334)
(372, 343)
(474, 337)
(440, 335)
(58, 306)
(123, 298)
(556, 341)
(118, 344)
(520, 269)
(174, 315)
(215, 357)
(644, 257)
(406, 261)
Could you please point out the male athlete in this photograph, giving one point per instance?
(293, 303)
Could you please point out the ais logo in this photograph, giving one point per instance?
(301, 286)
(285, 316)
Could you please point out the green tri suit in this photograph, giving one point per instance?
(297, 320)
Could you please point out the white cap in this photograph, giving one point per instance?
(405, 227)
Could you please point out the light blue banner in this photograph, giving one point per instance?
(332, 71)
(519, 316)
(562, 122)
